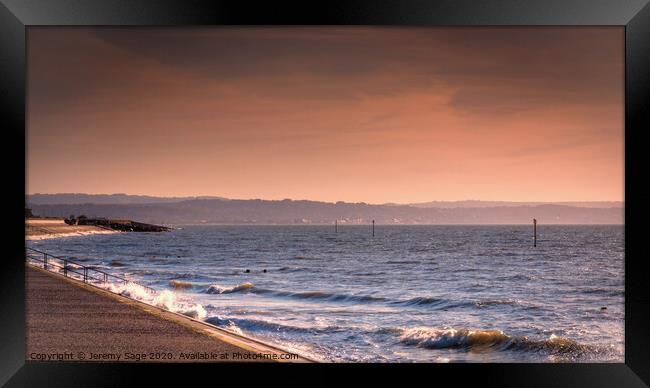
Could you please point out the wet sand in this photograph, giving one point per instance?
(67, 320)
(44, 228)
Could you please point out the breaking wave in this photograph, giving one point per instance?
(466, 339)
(181, 285)
(429, 338)
(167, 299)
(217, 289)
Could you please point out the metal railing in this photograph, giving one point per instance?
(70, 268)
(86, 273)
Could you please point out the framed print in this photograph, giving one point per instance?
(390, 188)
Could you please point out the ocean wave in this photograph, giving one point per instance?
(336, 297)
(440, 303)
(167, 300)
(217, 289)
(320, 295)
(430, 338)
(467, 339)
(450, 338)
(181, 285)
(421, 301)
(307, 295)
(256, 325)
(429, 302)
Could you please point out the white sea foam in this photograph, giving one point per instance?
(233, 327)
(451, 338)
(166, 299)
(446, 338)
(217, 289)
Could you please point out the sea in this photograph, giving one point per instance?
(410, 293)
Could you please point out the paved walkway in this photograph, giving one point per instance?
(68, 320)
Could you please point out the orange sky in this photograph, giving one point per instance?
(353, 114)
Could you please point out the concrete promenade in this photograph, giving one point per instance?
(67, 320)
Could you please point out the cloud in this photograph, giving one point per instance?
(488, 70)
(334, 104)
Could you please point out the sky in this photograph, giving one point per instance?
(355, 114)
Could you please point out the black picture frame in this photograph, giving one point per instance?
(17, 15)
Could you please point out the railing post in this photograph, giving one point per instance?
(65, 267)
(45, 261)
(105, 278)
(85, 275)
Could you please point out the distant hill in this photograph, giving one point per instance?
(80, 198)
(477, 203)
(220, 211)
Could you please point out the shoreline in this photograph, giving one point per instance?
(108, 323)
(37, 229)
(70, 234)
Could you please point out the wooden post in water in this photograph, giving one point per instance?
(534, 232)
(373, 228)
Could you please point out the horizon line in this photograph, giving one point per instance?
(208, 196)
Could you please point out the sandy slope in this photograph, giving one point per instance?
(39, 229)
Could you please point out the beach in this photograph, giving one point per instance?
(67, 320)
(47, 228)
